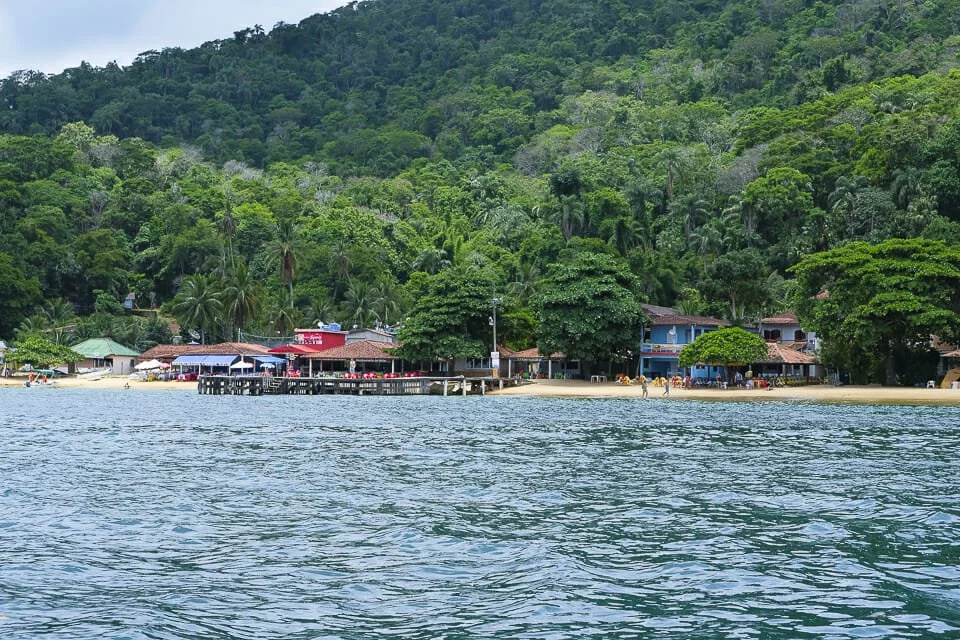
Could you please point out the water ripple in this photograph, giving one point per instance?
(323, 517)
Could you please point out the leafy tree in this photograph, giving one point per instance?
(727, 347)
(589, 309)
(882, 299)
(449, 319)
(18, 294)
(738, 279)
(41, 353)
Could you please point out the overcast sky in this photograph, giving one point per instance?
(52, 35)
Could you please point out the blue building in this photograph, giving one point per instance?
(668, 332)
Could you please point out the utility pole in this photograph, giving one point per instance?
(494, 355)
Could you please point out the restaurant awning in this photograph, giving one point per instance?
(204, 360)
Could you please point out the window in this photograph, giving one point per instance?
(799, 336)
(479, 363)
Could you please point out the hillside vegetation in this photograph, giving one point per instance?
(396, 157)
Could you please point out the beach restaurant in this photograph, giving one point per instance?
(223, 357)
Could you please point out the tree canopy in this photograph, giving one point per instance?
(726, 347)
(328, 171)
(872, 303)
(588, 308)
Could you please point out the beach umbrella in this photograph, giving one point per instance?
(164, 365)
(149, 364)
(267, 365)
(242, 365)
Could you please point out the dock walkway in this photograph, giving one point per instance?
(259, 386)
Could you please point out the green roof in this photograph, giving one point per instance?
(102, 348)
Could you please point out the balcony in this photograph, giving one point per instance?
(661, 349)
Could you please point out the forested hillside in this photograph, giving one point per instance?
(416, 158)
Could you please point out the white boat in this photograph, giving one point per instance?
(94, 375)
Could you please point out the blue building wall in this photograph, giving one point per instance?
(660, 353)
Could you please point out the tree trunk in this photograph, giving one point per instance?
(890, 369)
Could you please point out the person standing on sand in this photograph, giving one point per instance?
(643, 387)
(666, 387)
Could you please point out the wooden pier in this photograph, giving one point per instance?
(259, 386)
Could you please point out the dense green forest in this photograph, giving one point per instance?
(414, 159)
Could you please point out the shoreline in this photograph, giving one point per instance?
(586, 390)
(869, 394)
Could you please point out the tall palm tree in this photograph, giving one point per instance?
(361, 301)
(524, 284)
(285, 249)
(198, 305)
(339, 263)
(387, 300)
(569, 215)
(241, 300)
(284, 317)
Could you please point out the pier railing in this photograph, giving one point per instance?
(259, 385)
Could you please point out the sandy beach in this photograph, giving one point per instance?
(107, 382)
(582, 389)
(817, 393)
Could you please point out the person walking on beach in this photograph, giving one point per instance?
(666, 387)
(643, 386)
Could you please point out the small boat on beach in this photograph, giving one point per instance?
(93, 375)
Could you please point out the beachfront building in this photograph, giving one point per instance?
(104, 353)
(361, 356)
(372, 335)
(787, 361)
(530, 363)
(667, 333)
(214, 358)
(785, 328)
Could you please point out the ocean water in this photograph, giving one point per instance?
(173, 515)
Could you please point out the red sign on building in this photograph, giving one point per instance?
(320, 338)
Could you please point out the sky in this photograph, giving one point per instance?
(53, 35)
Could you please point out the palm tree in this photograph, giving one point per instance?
(674, 162)
(569, 215)
(241, 300)
(524, 284)
(339, 263)
(691, 210)
(198, 304)
(431, 260)
(907, 184)
(621, 233)
(285, 249)
(284, 316)
(387, 300)
(361, 301)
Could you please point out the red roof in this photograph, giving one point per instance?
(172, 351)
(532, 354)
(298, 349)
(363, 350)
(705, 321)
(780, 354)
(788, 317)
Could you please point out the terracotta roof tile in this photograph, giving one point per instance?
(687, 320)
(788, 317)
(166, 352)
(367, 350)
(780, 354)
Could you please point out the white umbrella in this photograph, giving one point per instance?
(242, 365)
(149, 364)
(267, 365)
